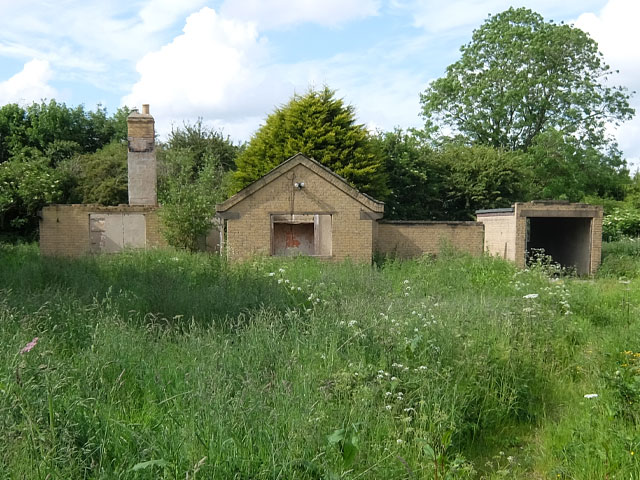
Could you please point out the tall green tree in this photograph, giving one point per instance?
(520, 76)
(415, 179)
(320, 126)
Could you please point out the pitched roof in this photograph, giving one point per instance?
(313, 165)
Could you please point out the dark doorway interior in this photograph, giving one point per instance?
(567, 240)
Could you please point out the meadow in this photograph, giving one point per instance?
(165, 364)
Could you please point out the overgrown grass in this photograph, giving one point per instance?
(164, 364)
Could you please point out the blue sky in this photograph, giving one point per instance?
(231, 62)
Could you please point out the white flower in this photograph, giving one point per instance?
(279, 280)
(399, 441)
(393, 379)
(388, 394)
(531, 295)
(271, 274)
(281, 270)
(591, 395)
(405, 282)
(388, 407)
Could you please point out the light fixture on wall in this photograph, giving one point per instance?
(299, 185)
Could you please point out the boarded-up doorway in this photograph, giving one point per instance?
(566, 240)
(301, 235)
(111, 232)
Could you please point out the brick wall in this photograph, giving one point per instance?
(250, 234)
(405, 239)
(64, 229)
(499, 234)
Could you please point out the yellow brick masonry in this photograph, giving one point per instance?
(251, 233)
(412, 239)
(64, 229)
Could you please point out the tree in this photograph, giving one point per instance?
(478, 177)
(27, 183)
(193, 177)
(322, 127)
(203, 142)
(564, 169)
(520, 76)
(415, 180)
(99, 177)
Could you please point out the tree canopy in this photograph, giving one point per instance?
(322, 127)
(520, 76)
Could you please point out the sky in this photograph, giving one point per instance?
(232, 62)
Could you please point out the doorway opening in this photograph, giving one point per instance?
(566, 240)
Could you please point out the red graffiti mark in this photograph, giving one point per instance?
(291, 241)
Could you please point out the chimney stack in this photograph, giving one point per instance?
(141, 159)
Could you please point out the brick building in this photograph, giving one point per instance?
(303, 208)
(571, 233)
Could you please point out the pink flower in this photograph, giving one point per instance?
(29, 346)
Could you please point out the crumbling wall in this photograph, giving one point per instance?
(76, 230)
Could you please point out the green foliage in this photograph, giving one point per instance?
(414, 178)
(193, 179)
(322, 127)
(38, 139)
(520, 76)
(99, 177)
(27, 183)
(562, 169)
(450, 181)
(409, 370)
(480, 177)
(203, 143)
(621, 223)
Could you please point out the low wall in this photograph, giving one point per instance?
(66, 230)
(406, 239)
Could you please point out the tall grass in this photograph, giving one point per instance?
(164, 364)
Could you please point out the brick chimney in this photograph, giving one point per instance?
(141, 159)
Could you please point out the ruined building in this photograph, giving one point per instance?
(303, 208)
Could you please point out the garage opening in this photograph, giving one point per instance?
(301, 235)
(567, 240)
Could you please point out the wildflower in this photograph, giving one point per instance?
(27, 348)
(271, 274)
(388, 394)
(281, 270)
(279, 281)
(399, 441)
(388, 407)
(405, 282)
(591, 395)
(531, 295)
(393, 379)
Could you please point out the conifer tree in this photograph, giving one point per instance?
(319, 126)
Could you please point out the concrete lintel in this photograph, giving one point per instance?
(229, 215)
(364, 215)
(566, 213)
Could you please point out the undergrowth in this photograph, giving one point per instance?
(163, 364)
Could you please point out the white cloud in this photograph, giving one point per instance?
(437, 16)
(29, 85)
(615, 30)
(281, 13)
(216, 69)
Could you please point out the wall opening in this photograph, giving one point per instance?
(301, 235)
(566, 240)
